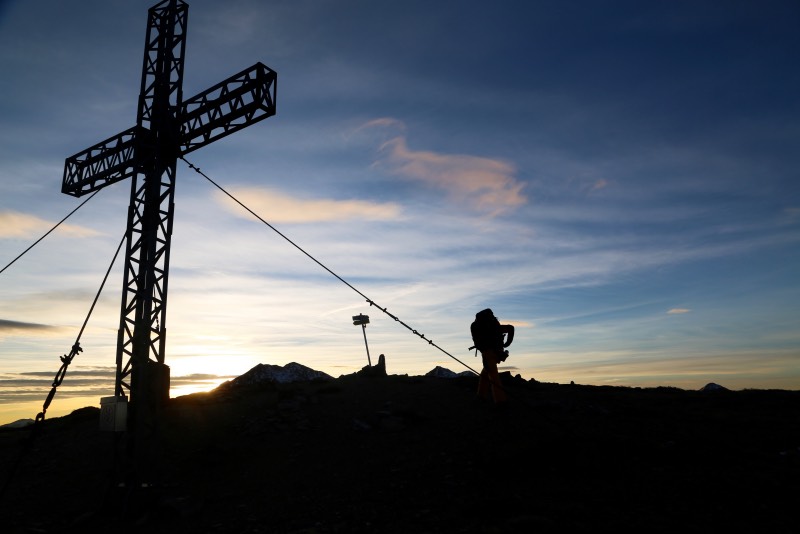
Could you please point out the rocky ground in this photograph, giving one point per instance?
(423, 454)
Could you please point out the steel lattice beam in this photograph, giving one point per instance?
(162, 71)
(238, 102)
(103, 164)
(241, 100)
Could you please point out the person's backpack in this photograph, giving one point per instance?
(486, 333)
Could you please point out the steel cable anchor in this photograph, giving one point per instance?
(65, 361)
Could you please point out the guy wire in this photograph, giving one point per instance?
(315, 260)
(49, 231)
(27, 443)
(345, 282)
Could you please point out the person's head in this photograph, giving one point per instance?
(484, 315)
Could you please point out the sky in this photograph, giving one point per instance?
(618, 180)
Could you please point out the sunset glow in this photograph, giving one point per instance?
(619, 182)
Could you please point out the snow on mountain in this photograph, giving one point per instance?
(21, 423)
(291, 372)
(295, 372)
(441, 372)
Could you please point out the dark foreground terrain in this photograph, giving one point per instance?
(422, 454)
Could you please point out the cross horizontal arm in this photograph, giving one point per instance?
(229, 106)
(103, 164)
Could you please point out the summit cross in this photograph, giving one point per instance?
(167, 128)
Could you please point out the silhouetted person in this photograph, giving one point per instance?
(489, 338)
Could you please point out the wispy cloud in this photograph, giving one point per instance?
(84, 382)
(678, 311)
(34, 385)
(16, 327)
(488, 185)
(734, 369)
(382, 122)
(14, 224)
(281, 208)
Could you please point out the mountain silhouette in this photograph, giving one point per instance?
(389, 453)
(291, 372)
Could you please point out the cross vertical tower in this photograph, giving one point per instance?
(167, 127)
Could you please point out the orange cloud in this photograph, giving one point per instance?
(488, 185)
(15, 225)
(383, 122)
(675, 311)
(280, 208)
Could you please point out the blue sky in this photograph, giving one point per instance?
(619, 180)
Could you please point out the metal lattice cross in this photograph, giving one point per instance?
(167, 127)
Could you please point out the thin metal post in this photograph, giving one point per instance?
(364, 329)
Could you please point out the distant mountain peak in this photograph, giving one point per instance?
(291, 372)
(441, 372)
(20, 423)
(711, 386)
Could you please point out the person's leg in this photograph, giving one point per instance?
(484, 384)
(490, 379)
